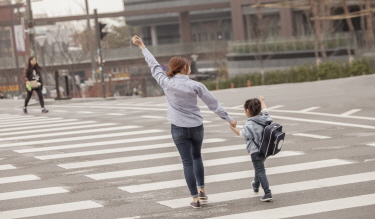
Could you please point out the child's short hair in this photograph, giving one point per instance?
(253, 105)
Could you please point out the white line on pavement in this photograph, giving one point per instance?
(104, 143)
(76, 132)
(275, 107)
(110, 161)
(29, 143)
(48, 209)
(123, 149)
(31, 193)
(237, 175)
(373, 144)
(115, 114)
(85, 112)
(311, 136)
(66, 122)
(22, 178)
(40, 130)
(309, 109)
(173, 167)
(350, 112)
(7, 167)
(26, 124)
(153, 117)
(306, 209)
(28, 121)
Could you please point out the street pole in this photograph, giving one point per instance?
(30, 25)
(91, 46)
(18, 76)
(100, 58)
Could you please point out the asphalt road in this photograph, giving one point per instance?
(115, 159)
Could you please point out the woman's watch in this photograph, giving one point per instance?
(142, 47)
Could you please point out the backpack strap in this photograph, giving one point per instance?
(256, 144)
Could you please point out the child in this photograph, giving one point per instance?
(258, 117)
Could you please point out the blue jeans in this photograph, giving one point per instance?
(260, 172)
(189, 143)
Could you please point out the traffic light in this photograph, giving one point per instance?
(102, 34)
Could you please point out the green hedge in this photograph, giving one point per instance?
(301, 73)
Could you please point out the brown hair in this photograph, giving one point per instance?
(253, 105)
(176, 64)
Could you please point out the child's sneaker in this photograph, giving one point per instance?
(266, 198)
(254, 188)
(24, 111)
(202, 196)
(44, 111)
(195, 204)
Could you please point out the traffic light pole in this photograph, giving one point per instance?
(30, 25)
(100, 58)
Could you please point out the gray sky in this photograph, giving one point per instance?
(73, 7)
(54, 8)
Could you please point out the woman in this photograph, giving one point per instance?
(184, 115)
(33, 73)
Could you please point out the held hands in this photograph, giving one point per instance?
(137, 41)
(233, 123)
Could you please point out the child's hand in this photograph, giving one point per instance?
(233, 123)
(261, 98)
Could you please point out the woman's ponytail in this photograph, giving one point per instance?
(176, 64)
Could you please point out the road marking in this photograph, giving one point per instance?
(76, 132)
(22, 178)
(31, 193)
(67, 122)
(205, 122)
(126, 149)
(311, 136)
(110, 161)
(306, 209)
(350, 112)
(39, 130)
(85, 112)
(120, 134)
(103, 143)
(49, 209)
(26, 124)
(27, 121)
(280, 189)
(7, 167)
(309, 109)
(275, 107)
(60, 111)
(237, 175)
(153, 117)
(373, 144)
(115, 114)
(173, 167)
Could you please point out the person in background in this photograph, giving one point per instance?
(184, 115)
(33, 72)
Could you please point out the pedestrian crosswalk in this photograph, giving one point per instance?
(135, 161)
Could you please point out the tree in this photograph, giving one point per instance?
(120, 37)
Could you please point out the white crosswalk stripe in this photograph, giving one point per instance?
(79, 125)
(7, 167)
(306, 209)
(28, 121)
(22, 178)
(127, 149)
(237, 175)
(32, 193)
(84, 137)
(49, 209)
(104, 143)
(76, 132)
(173, 167)
(66, 122)
(38, 122)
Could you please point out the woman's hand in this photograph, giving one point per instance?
(233, 123)
(261, 98)
(137, 41)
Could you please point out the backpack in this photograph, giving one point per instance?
(272, 140)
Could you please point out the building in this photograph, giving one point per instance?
(181, 21)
